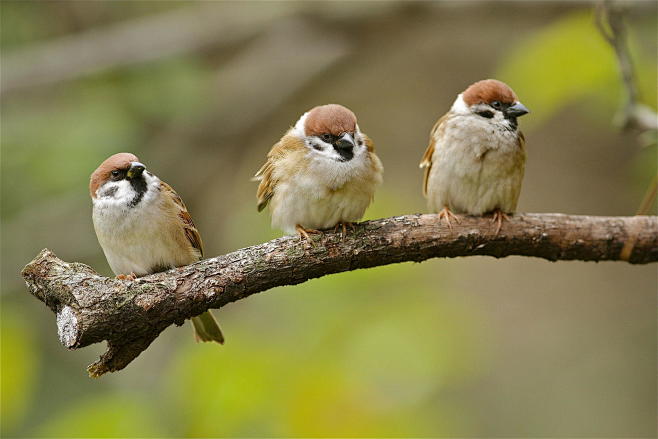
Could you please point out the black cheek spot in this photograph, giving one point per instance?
(486, 114)
(109, 192)
(316, 147)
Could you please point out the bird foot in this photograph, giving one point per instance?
(498, 217)
(446, 215)
(130, 277)
(306, 233)
(345, 225)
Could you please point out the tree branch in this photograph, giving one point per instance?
(91, 308)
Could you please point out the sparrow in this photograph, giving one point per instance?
(475, 160)
(321, 174)
(144, 227)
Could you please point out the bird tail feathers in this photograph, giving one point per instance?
(206, 328)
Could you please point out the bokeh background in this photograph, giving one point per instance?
(200, 91)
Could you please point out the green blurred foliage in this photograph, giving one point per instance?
(18, 367)
(109, 415)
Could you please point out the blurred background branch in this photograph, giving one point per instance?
(183, 30)
(610, 18)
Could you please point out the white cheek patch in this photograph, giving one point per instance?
(116, 191)
(321, 149)
(108, 190)
(317, 144)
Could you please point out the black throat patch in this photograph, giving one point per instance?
(512, 123)
(345, 154)
(139, 185)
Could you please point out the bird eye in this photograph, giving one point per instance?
(326, 137)
(496, 105)
(115, 174)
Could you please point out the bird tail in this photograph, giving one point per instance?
(206, 328)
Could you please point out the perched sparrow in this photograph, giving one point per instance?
(322, 173)
(475, 160)
(143, 226)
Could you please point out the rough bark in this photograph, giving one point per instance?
(128, 314)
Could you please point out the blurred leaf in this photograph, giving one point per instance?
(111, 416)
(560, 64)
(18, 367)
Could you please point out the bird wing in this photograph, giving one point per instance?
(426, 162)
(190, 230)
(267, 183)
(266, 174)
(370, 146)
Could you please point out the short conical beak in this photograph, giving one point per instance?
(516, 110)
(135, 171)
(345, 142)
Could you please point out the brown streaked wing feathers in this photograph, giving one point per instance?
(369, 143)
(265, 174)
(191, 232)
(267, 184)
(426, 162)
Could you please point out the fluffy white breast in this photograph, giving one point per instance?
(477, 165)
(140, 238)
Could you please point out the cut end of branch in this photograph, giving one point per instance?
(67, 327)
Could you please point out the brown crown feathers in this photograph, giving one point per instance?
(487, 91)
(332, 119)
